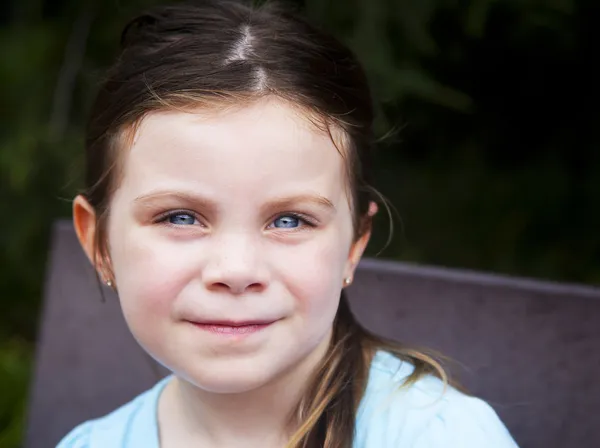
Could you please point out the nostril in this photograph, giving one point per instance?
(219, 285)
(255, 287)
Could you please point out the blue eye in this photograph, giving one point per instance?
(181, 219)
(287, 222)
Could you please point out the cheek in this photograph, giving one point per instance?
(149, 273)
(316, 278)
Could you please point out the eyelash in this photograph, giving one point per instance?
(304, 219)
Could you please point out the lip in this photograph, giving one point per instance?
(233, 328)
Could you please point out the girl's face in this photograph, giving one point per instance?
(230, 236)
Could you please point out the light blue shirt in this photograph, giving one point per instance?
(419, 416)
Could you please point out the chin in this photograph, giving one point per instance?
(229, 377)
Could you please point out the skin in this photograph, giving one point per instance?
(240, 215)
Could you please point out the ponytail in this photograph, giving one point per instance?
(326, 414)
(327, 411)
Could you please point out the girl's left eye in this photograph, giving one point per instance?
(289, 221)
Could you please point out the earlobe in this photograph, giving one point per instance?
(356, 252)
(84, 221)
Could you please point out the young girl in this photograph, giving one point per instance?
(228, 204)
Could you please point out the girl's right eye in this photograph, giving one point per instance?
(179, 219)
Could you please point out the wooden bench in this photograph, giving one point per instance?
(531, 349)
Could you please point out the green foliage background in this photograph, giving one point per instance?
(496, 164)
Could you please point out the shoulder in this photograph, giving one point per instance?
(125, 425)
(424, 414)
(78, 437)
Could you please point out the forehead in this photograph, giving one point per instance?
(263, 148)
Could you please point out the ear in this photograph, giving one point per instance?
(358, 247)
(84, 221)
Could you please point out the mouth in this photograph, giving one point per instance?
(233, 327)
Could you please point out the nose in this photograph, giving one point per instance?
(235, 265)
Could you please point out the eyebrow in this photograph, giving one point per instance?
(288, 201)
(282, 202)
(149, 198)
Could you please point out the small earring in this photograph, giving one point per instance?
(347, 281)
(108, 283)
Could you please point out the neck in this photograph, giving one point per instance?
(260, 417)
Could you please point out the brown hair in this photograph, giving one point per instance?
(222, 54)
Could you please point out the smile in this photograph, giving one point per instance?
(232, 328)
